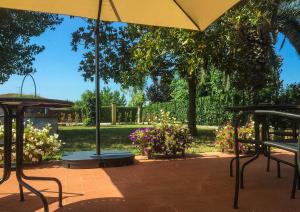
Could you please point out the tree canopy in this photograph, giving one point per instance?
(17, 52)
(291, 94)
(240, 45)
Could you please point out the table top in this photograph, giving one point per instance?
(281, 107)
(34, 102)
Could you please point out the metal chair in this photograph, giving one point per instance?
(264, 147)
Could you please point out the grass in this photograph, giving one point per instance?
(116, 138)
(111, 137)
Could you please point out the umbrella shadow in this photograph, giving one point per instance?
(32, 202)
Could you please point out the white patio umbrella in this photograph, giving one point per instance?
(187, 14)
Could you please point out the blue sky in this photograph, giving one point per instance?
(57, 73)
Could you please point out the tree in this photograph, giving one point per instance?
(286, 19)
(240, 44)
(17, 52)
(137, 98)
(87, 103)
(245, 48)
(107, 97)
(187, 53)
(115, 54)
(291, 95)
(179, 90)
(140, 52)
(160, 90)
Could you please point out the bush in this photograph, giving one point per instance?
(225, 136)
(38, 143)
(166, 137)
(88, 122)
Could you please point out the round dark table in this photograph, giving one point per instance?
(14, 108)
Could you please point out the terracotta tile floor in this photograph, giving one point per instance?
(194, 184)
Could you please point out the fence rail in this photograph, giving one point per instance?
(123, 114)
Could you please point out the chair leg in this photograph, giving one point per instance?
(298, 182)
(298, 175)
(237, 182)
(295, 180)
(233, 159)
(244, 166)
(21, 193)
(231, 166)
(269, 159)
(278, 170)
(47, 179)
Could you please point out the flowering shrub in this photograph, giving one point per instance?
(166, 137)
(225, 136)
(38, 143)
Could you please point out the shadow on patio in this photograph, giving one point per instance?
(194, 184)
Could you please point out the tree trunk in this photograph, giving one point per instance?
(191, 114)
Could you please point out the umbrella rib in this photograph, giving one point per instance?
(98, 15)
(187, 15)
(115, 10)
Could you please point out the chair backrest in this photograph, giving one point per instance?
(290, 116)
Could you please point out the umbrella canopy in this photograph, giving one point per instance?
(187, 14)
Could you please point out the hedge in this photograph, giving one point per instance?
(210, 110)
(127, 114)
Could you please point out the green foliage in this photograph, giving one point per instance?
(17, 51)
(115, 137)
(179, 90)
(291, 95)
(82, 138)
(105, 117)
(38, 143)
(137, 98)
(87, 105)
(88, 121)
(85, 35)
(214, 94)
(160, 90)
(210, 110)
(287, 21)
(105, 114)
(245, 44)
(127, 114)
(178, 110)
(240, 45)
(107, 97)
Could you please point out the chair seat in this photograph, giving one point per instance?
(285, 145)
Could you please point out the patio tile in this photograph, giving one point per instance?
(193, 184)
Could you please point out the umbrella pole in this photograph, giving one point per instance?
(97, 80)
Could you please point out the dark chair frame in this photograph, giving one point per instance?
(263, 146)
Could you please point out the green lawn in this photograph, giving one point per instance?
(116, 138)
